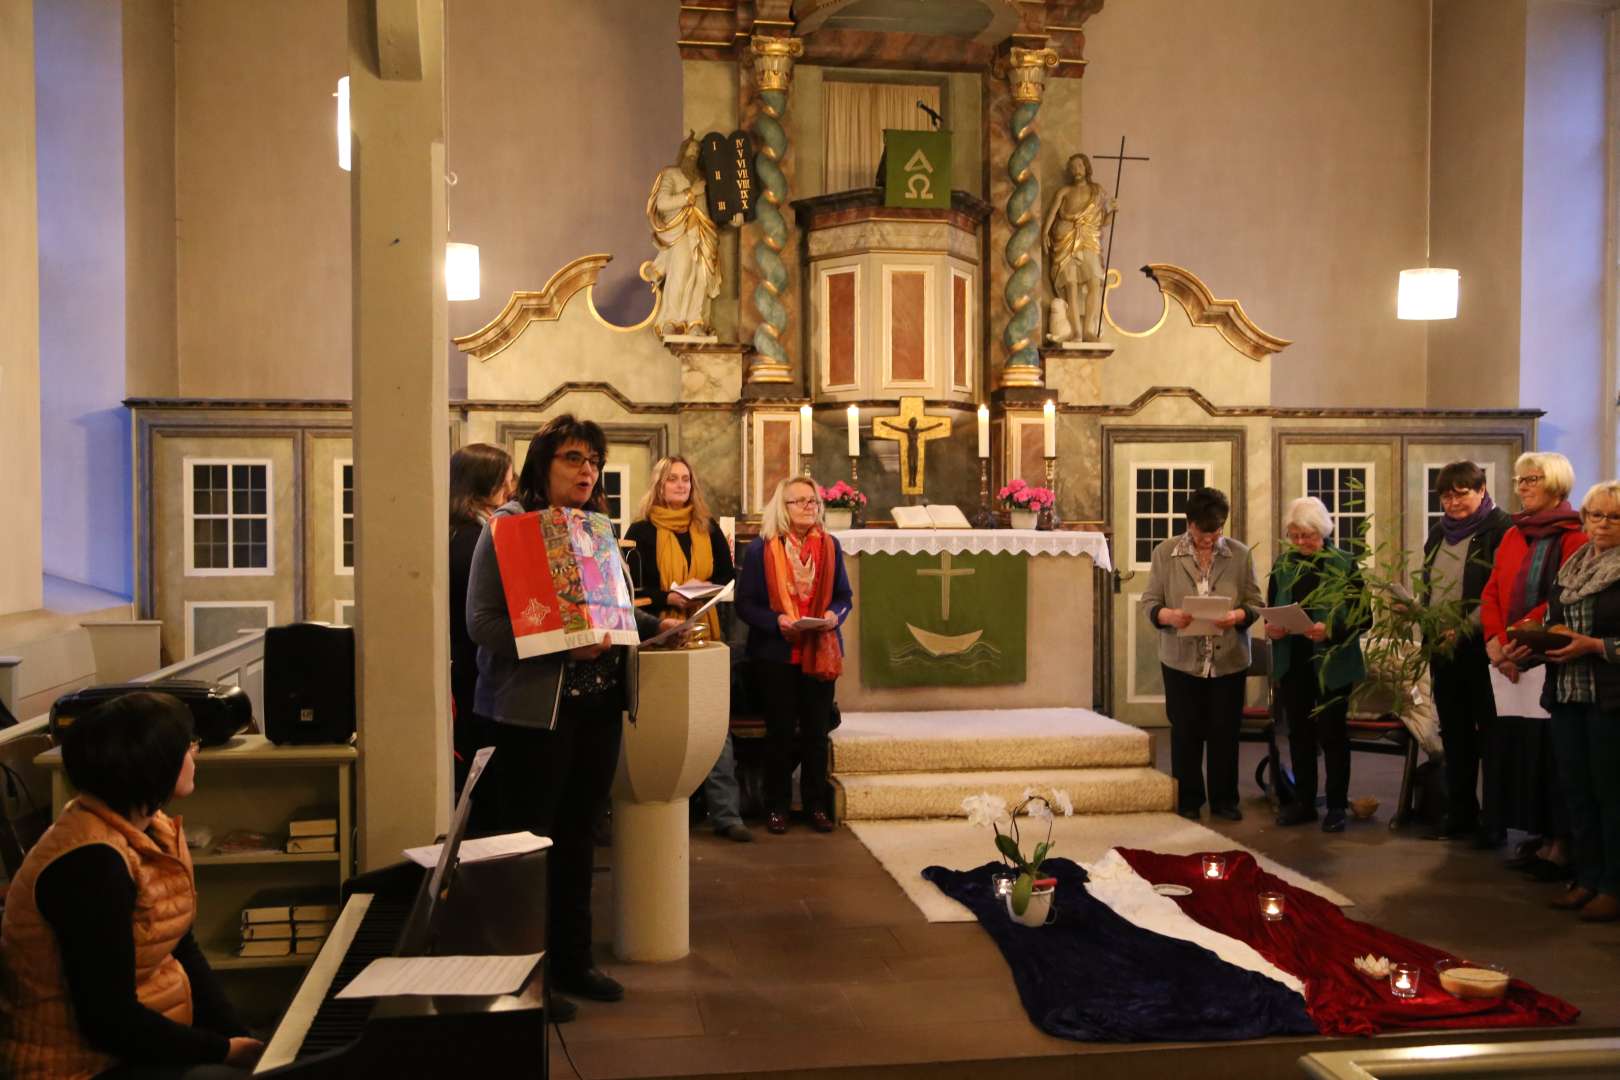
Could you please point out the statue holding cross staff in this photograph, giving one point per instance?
(1073, 234)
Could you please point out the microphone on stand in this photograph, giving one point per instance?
(932, 115)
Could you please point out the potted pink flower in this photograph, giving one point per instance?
(840, 502)
(1024, 502)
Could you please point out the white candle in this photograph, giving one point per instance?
(854, 431)
(1049, 418)
(806, 445)
(984, 431)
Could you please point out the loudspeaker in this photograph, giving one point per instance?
(218, 711)
(308, 683)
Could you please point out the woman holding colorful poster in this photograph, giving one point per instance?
(546, 603)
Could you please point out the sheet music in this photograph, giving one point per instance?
(1291, 617)
(1204, 610)
(482, 849)
(674, 632)
(461, 976)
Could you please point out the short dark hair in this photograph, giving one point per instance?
(534, 481)
(128, 752)
(1459, 474)
(475, 470)
(1207, 508)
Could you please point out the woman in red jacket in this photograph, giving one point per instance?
(1546, 531)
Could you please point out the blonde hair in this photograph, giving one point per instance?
(655, 493)
(1310, 513)
(774, 520)
(1607, 489)
(1557, 474)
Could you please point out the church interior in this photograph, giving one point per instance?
(947, 250)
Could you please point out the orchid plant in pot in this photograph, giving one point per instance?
(1024, 502)
(840, 502)
(1030, 898)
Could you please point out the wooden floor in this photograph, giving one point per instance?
(808, 961)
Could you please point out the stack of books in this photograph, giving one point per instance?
(277, 922)
(312, 830)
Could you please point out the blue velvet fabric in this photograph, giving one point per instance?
(1094, 976)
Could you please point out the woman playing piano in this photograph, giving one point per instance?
(102, 977)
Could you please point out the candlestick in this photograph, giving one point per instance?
(1051, 515)
(1403, 981)
(985, 518)
(1214, 867)
(984, 431)
(806, 441)
(854, 472)
(854, 431)
(1271, 906)
(1049, 422)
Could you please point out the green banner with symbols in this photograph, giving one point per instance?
(943, 620)
(917, 168)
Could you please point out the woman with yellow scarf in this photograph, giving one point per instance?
(679, 542)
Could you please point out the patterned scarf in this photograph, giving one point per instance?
(1587, 573)
(799, 581)
(673, 566)
(1544, 532)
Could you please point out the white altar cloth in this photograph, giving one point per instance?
(976, 541)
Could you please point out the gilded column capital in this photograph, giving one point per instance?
(1026, 72)
(773, 60)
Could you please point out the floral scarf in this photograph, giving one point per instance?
(799, 581)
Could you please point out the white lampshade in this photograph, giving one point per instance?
(343, 137)
(1429, 292)
(461, 271)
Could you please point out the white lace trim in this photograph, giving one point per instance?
(976, 541)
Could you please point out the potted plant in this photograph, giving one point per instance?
(841, 501)
(1029, 901)
(1024, 503)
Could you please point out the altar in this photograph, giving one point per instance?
(970, 618)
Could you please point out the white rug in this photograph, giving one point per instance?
(906, 847)
(983, 740)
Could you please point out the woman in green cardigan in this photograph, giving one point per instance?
(1315, 670)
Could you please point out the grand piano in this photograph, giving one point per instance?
(487, 908)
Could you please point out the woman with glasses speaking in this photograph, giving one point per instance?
(794, 595)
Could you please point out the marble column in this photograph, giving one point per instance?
(401, 426)
(1026, 74)
(21, 572)
(773, 74)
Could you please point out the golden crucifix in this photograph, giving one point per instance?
(911, 428)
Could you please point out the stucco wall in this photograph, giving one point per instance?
(149, 211)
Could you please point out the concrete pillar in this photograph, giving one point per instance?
(401, 423)
(21, 569)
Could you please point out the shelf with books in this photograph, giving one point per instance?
(227, 960)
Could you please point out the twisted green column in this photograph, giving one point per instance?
(1022, 335)
(773, 69)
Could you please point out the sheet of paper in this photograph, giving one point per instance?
(808, 623)
(485, 847)
(698, 590)
(673, 634)
(1522, 698)
(1204, 610)
(470, 976)
(1290, 617)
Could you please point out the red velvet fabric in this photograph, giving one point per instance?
(1317, 944)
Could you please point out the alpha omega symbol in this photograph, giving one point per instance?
(917, 171)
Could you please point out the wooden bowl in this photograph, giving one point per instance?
(1537, 639)
(1470, 981)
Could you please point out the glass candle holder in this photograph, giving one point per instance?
(1272, 906)
(1003, 884)
(1214, 867)
(1403, 981)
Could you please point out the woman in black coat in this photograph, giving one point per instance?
(481, 479)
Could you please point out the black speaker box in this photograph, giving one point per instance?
(308, 684)
(217, 711)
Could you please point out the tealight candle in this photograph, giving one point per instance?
(1214, 867)
(1271, 906)
(1003, 884)
(1403, 981)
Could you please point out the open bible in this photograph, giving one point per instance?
(932, 516)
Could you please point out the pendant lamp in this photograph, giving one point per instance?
(1428, 292)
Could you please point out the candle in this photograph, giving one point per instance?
(1214, 867)
(854, 431)
(1271, 906)
(1049, 419)
(984, 431)
(1003, 884)
(806, 445)
(1403, 981)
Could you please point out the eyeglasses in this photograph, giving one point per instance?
(1527, 481)
(802, 502)
(574, 459)
(1595, 516)
(1456, 496)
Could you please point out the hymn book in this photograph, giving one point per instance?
(566, 584)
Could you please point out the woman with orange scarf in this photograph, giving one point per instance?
(794, 595)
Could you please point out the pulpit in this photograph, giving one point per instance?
(680, 726)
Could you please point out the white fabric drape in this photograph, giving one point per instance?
(854, 116)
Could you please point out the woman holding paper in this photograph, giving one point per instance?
(1326, 657)
(1205, 664)
(679, 542)
(557, 716)
(794, 595)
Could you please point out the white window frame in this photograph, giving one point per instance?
(622, 520)
(1431, 470)
(338, 517)
(189, 529)
(1136, 467)
(337, 611)
(1370, 539)
(191, 622)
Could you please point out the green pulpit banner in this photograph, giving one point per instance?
(917, 169)
(943, 620)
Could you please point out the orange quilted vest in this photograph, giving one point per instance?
(40, 1038)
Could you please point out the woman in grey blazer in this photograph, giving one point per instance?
(1204, 676)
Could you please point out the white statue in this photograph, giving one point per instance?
(1073, 235)
(1058, 327)
(688, 260)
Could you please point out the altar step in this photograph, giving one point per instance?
(895, 765)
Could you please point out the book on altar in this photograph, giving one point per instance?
(566, 583)
(931, 516)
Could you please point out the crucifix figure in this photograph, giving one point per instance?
(944, 573)
(911, 428)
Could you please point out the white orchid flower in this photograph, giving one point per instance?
(1031, 793)
(984, 809)
(1064, 803)
(1039, 809)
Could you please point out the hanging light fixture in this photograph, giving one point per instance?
(1428, 292)
(461, 280)
(344, 140)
